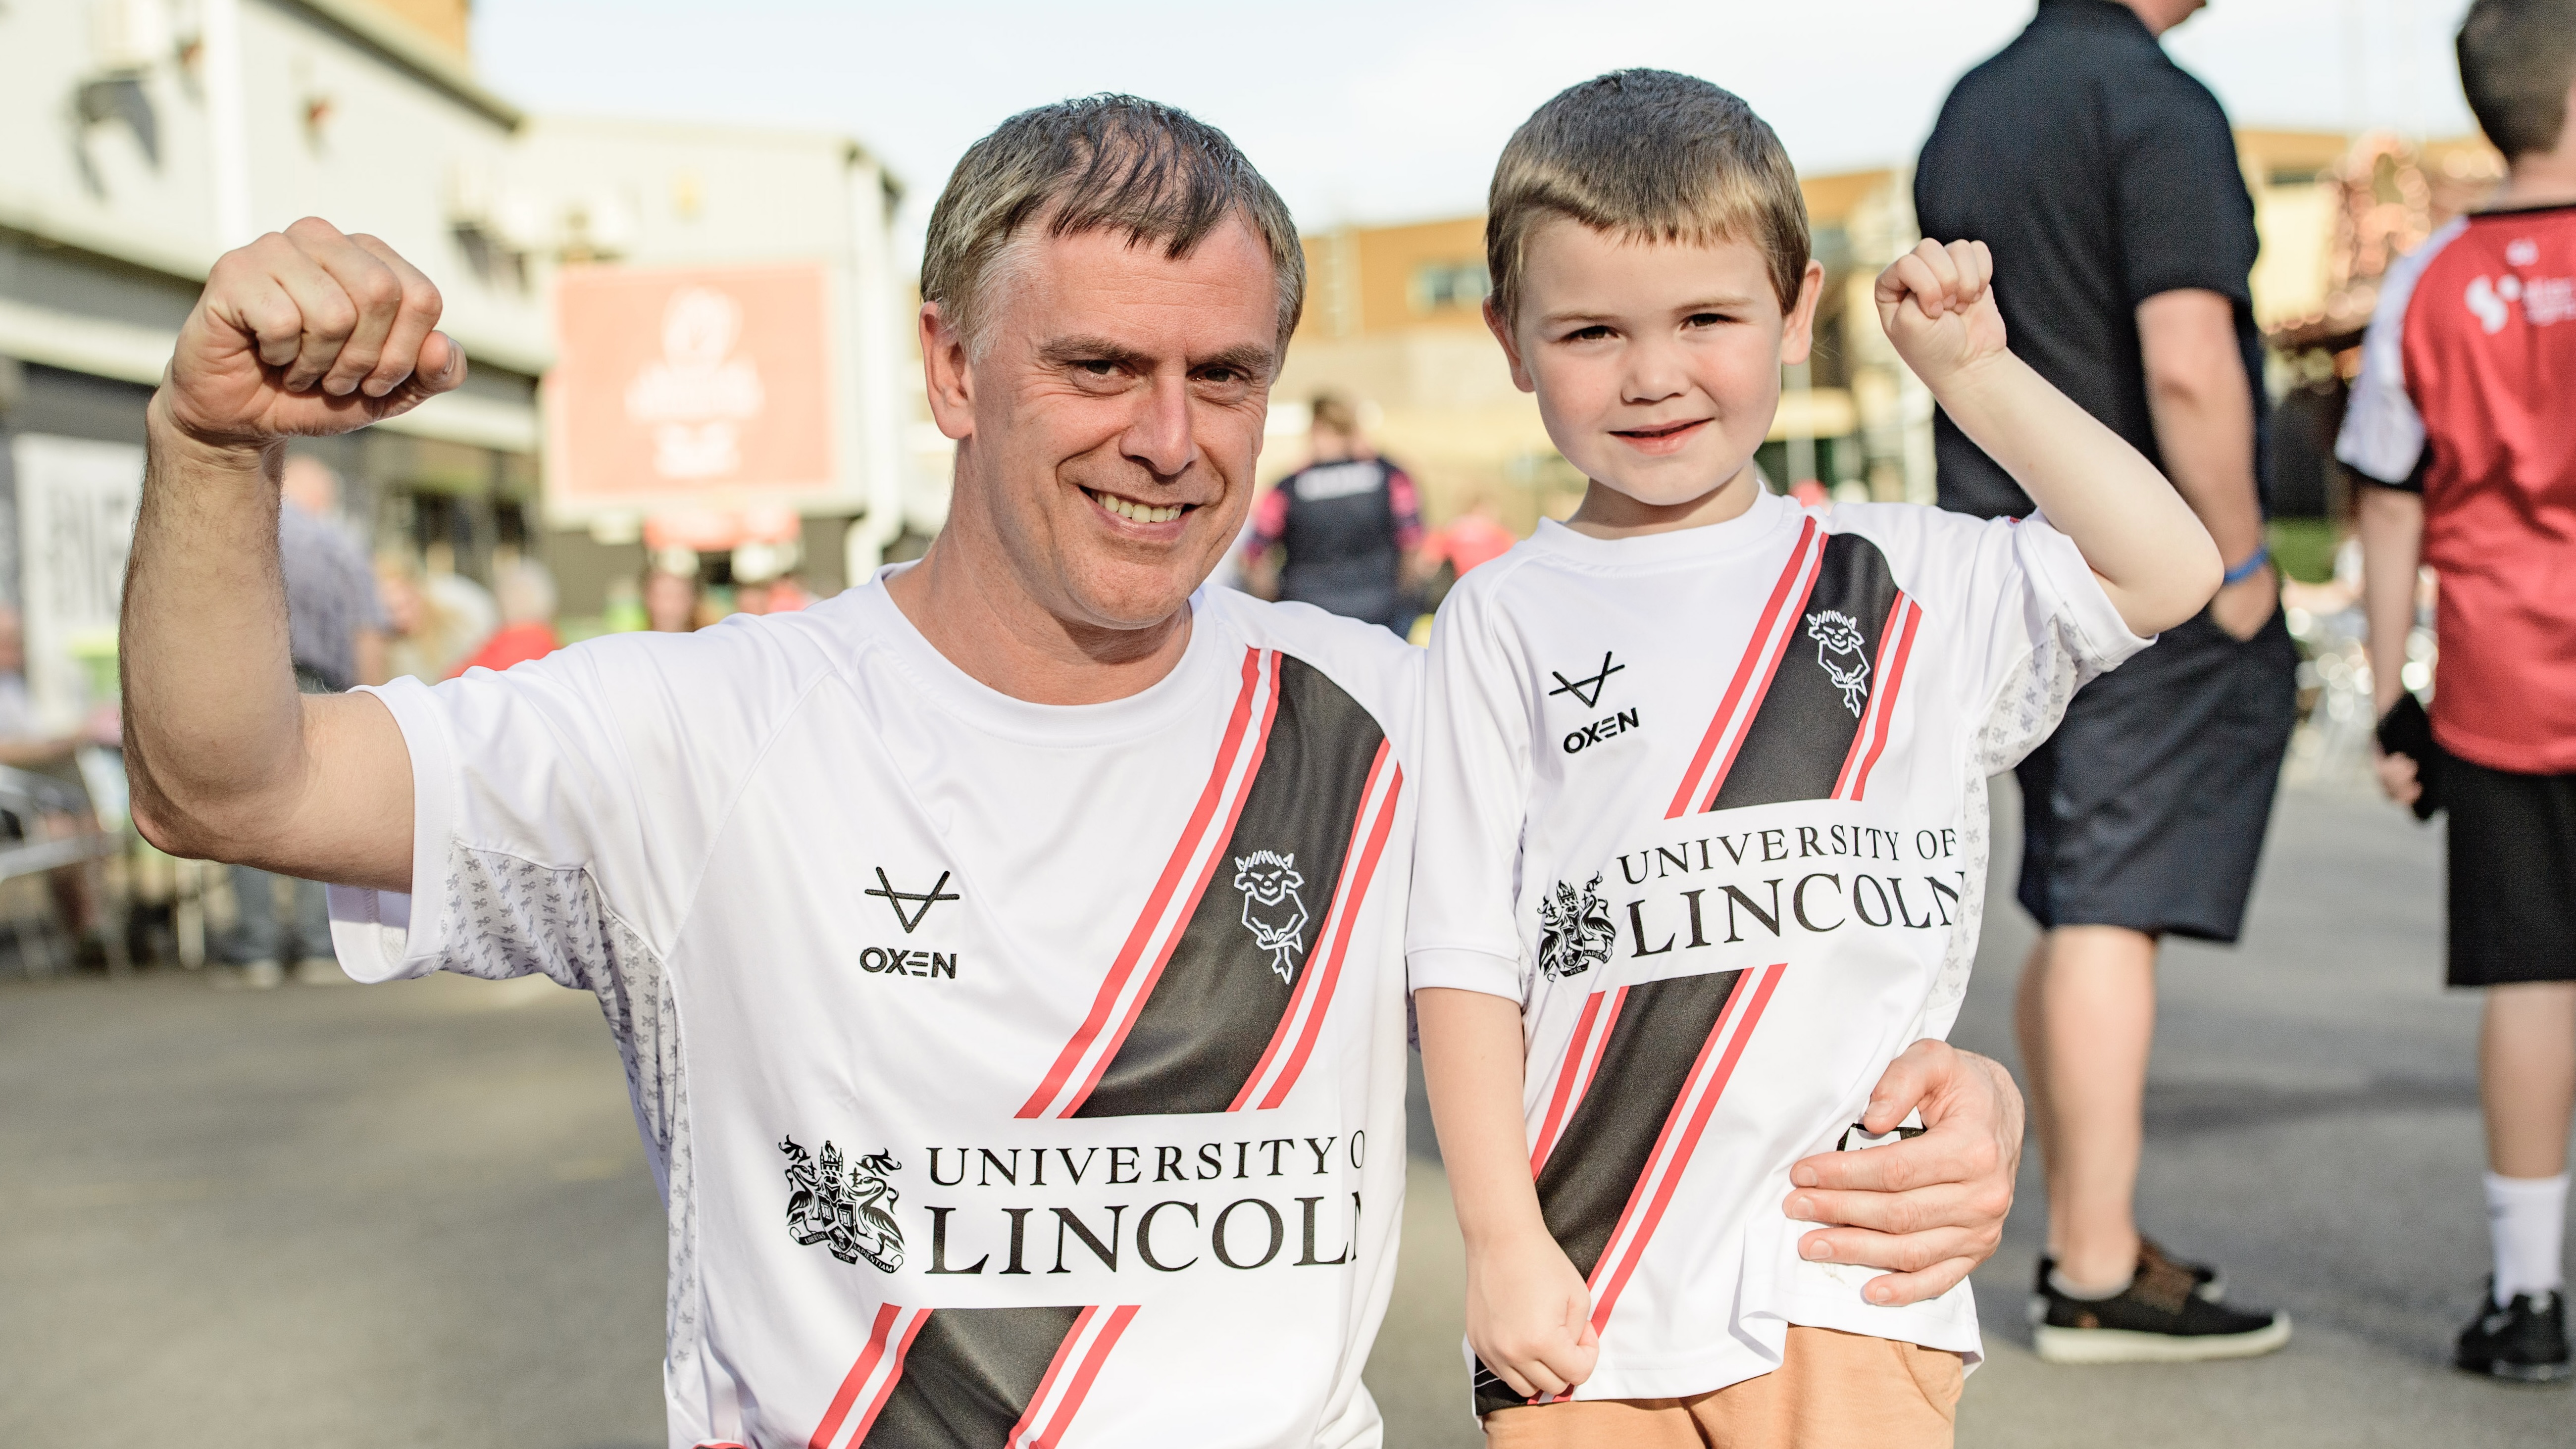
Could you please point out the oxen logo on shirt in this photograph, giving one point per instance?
(1574, 930)
(1272, 909)
(1843, 654)
(854, 1215)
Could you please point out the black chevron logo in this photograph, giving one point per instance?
(1587, 688)
(921, 901)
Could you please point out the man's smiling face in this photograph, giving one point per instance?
(1108, 430)
(1656, 364)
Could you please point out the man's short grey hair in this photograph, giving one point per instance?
(1158, 175)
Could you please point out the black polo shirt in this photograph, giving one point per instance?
(2100, 173)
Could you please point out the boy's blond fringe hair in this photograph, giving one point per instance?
(1647, 155)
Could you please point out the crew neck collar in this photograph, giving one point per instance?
(1749, 529)
(1152, 708)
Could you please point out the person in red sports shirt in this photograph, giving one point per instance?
(527, 598)
(2462, 427)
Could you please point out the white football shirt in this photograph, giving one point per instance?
(1015, 1074)
(1711, 805)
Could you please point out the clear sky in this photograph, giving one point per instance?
(1393, 110)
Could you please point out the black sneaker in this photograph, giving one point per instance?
(2159, 1318)
(2525, 1340)
(2208, 1280)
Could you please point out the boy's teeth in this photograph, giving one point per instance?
(1136, 512)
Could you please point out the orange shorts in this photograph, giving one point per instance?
(1831, 1391)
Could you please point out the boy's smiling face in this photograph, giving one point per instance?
(1656, 364)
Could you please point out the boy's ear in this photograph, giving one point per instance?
(1798, 330)
(1501, 327)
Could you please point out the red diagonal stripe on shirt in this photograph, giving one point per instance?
(1155, 913)
(1679, 1140)
(1582, 1050)
(1064, 1353)
(1891, 678)
(1080, 1389)
(1871, 738)
(1745, 669)
(858, 1378)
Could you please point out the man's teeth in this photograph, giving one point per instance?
(1136, 512)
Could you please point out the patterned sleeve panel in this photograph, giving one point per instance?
(506, 917)
(2055, 631)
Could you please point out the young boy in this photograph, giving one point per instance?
(1703, 834)
(2461, 418)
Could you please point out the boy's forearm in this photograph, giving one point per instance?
(1472, 1064)
(2390, 522)
(2156, 562)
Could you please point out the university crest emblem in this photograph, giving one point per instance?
(1574, 930)
(854, 1215)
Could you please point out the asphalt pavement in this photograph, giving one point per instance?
(416, 1215)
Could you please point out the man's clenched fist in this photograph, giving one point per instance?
(307, 332)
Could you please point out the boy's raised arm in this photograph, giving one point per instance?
(2155, 560)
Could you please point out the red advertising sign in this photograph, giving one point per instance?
(674, 386)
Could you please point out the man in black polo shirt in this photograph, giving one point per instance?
(2105, 180)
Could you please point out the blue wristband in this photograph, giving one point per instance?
(2262, 555)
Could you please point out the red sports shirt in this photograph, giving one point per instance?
(2468, 391)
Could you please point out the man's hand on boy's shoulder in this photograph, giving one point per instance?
(1938, 306)
(1930, 1208)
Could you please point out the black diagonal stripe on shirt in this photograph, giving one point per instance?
(969, 1376)
(1218, 1002)
(1590, 1173)
(1802, 731)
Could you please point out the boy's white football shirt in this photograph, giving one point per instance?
(1015, 1074)
(1711, 805)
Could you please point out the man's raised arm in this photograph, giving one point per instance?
(303, 333)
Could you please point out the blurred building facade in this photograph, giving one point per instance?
(149, 136)
(1393, 322)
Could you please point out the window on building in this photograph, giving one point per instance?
(1441, 286)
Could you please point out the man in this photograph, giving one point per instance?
(1005, 953)
(1344, 527)
(336, 629)
(2105, 180)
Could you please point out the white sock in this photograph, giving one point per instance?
(2527, 1217)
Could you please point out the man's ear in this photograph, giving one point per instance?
(1501, 327)
(947, 374)
(1798, 331)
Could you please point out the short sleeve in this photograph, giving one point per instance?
(2382, 437)
(1475, 799)
(562, 808)
(2185, 218)
(2049, 629)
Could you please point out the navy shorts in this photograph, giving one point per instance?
(2147, 808)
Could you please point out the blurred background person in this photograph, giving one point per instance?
(336, 637)
(525, 593)
(1458, 546)
(2105, 179)
(432, 621)
(24, 743)
(1339, 533)
(672, 597)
